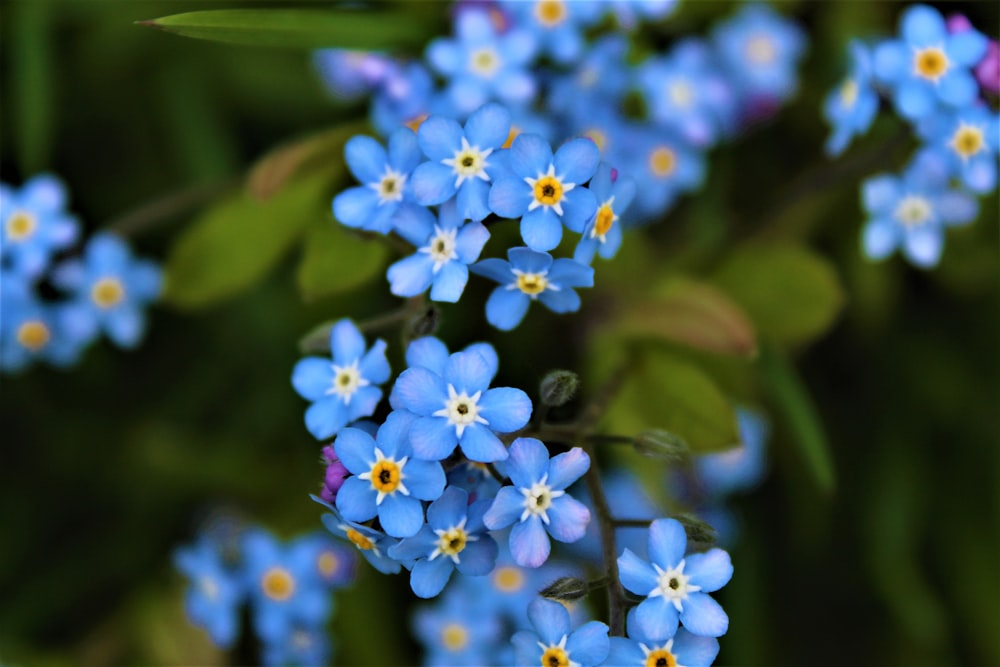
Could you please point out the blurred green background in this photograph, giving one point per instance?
(109, 466)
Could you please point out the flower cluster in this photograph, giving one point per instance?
(105, 290)
(557, 87)
(287, 587)
(937, 74)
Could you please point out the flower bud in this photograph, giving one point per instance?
(565, 589)
(660, 444)
(558, 387)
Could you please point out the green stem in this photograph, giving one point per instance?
(152, 214)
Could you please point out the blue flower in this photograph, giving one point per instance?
(335, 563)
(531, 276)
(31, 329)
(110, 290)
(345, 390)
(911, 213)
(445, 248)
(373, 544)
(35, 224)
(454, 537)
(450, 394)
(545, 189)
(459, 630)
(537, 502)
(642, 649)
(851, 107)
(350, 74)
(739, 468)
(627, 500)
(600, 79)
(676, 587)
(760, 49)
(216, 593)
(387, 481)
(966, 144)
(405, 97)
(603, 235)
(663, 165)
(685, 91)
(302, 646)
(475, 479)
(484, 64)
(556, 24)
(929, 66)
(630, 12)
(385, 180)
(285, 590)
(460, 159)
(552, 642)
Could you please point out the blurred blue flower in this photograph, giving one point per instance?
(458, 630)
(302, 646)
(630, 12)
(642, 649)
(603, 235)
(455, 406)
(31, 329)
(385, 180)
(35, 224)
(454, 537)
(553, 643)
(109, 291)
(373, 544)
(388, 482)
(740, 468)
(537, 503)
(483, 63)
(965, 143)
(601, 77)
(851, 107)
(216, 591)
(531, 276)
(627, 500)
(676, 587)
(350, 74)
(557, 25)
(346, 389)
(928, 66)
(663, 166)
(405, 97)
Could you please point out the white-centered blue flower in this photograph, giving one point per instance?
(851, 107)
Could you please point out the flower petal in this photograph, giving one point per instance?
(704, 616)
(568, 519)
(710, 570)
(529, 544)
(566, 468)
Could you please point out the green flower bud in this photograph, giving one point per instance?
(558, 387)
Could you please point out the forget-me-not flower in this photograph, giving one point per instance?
(346, 389)
(387, 480)
(546, 189)
(642, 649)
(537, 502)
(455, 406)
(531, 276)
(557, 25)
(554, 643)
(35, 224)
(676, 587)
(373, 544)
(851, 107)
(603, 235)
(454, 537)
(216, 592)
(459, 630)
(966, 143)
(31, 329)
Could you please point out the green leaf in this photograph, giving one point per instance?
(300, 28)
(31, 89)
(662, 391)
(690, 313)
(236, 242)
(273, 172)
(791, 294)
(337, 260)
(793, 400)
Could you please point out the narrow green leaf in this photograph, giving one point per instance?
(31, 84)
(792, 399)
(236, 242)
(690, 313)
(663, 391)
(299, 28)
(337, 260)
(791, 294)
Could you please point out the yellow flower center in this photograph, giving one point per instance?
(849, 93)
(661, 658)
(277, 584)
(359, 540)
(548, 191)
(451, 542)
(605, 218)
(967, 141)
(930, 63)
(555, 657)
(508, 579)
(760, 50)
(107, 293)
(20, 225)
(662, 161)
(454, 637)
(385, 476)
(33, 335)
(484, 62)
(550, 13)
(532, 283)
(328, 564)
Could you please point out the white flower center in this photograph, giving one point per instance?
(538, 499)
(485, 62)
(760, 49)
(848, 93)
(913, 211)
(532, 284)
(386, 476)
(390, 186)
(469, 162)
(209, 588)
(461, 410)
(680, 93)
(441, 247)
(548, 190)
(346, 381)
(673, 585)
(452, 542)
